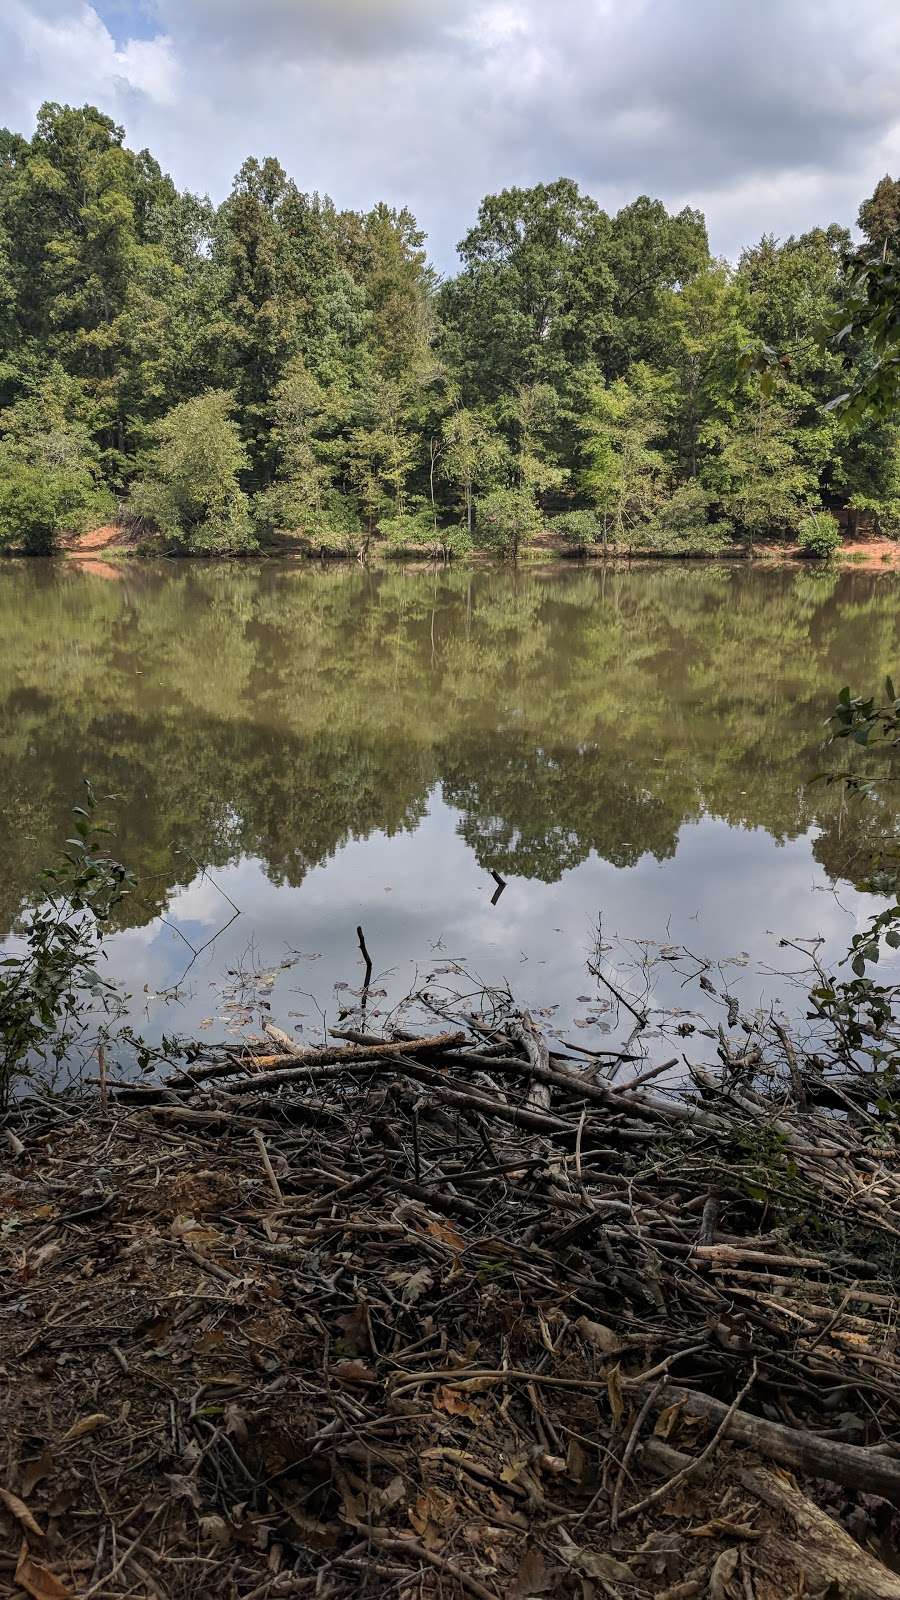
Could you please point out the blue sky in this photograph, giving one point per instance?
(771, 116)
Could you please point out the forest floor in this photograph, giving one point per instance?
(452, 1315)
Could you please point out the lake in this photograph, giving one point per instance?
(315, 749)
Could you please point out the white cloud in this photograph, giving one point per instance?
(772, 117)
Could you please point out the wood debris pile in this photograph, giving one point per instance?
(449, 1316)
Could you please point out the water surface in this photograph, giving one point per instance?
(321, 748)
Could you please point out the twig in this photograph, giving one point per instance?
(269, 1170)
(698, 1462)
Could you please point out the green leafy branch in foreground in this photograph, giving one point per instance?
(48, 989)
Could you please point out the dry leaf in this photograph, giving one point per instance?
(38, 1580)
(47, 1253)
(78, 1430)
(20, 1511)
(352, 1372)
(216, 1529)
(450, 1400)
(446, 1232)
(412, 1284)
(595, 1564)
(236, 1422)
(667, 1419)
(722, 1573)
(576, 1462)
(601, 1337)
(721, 1528)
(34, 1472)
(616, 1398)
(532, 1577)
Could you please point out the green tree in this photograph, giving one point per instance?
(191, 491)
(474, 456)
(623, 471)
(754, 471)
(508, 521)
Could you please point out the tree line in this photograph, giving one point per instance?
(223, 376)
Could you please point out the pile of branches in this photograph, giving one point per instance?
(452, 1315)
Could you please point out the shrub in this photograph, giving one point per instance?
(508, 519)
(191, 491)
(579, 528)
(819, 535)
(38, 502)
(682, 526)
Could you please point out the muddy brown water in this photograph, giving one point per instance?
(326, 747)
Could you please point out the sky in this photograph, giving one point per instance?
(770, 115)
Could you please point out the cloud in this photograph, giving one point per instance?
(771, 116)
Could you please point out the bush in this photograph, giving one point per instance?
(579, 528)
(682, 526)
(191, 491)
(38, 502)
(507, 520)
(819, 535)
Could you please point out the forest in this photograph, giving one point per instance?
(219, 379)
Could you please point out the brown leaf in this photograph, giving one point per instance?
(667, 1419)
(412, 1284)
(722, 1573)
(38, 1580)
(576, 1462)
(595, 1564)
(216, 1529)
(352, 1372)
(34, 1472)
(616, 1397)
(41, 1257)
(446, 1232)
(236, 1422)
(450, 1400)
(721, 1528)
(20, 1511)
(78, 1430)
(355, 1326)
(600, 1336)
(532, 1577)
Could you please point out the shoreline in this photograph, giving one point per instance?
(453, 1304)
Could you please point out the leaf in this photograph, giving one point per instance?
(616, 1399)
(20, 1511)
(86, 1425)
(594, 1564)
(352, 1372)
(450, 1400)
(412, 1284)
(446, 1232)
(600, 1336)
(667, 1419)
(38, 1580)
(34, 1472)
(722, 1573)
(215, 1528)
(532, 1577)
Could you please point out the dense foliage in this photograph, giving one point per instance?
(275, 365)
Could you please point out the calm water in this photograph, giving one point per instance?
(322, 748)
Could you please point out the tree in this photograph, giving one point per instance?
(508, 521)
(50, 480)
(623, 471)
(879, 218)
(754, 473)
(533, 295)
(191, 490)
(473, 456)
